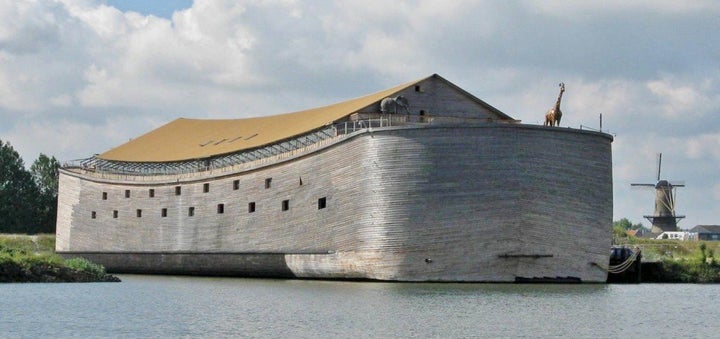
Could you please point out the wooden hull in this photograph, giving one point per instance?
(489, 203)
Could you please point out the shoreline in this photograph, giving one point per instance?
(32, 258)
(47, 273)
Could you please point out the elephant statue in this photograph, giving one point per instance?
(391, 105)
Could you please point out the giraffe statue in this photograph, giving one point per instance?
(553, 116)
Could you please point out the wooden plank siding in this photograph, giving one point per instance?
(487, 202)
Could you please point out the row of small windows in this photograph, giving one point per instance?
(322, 203)
(178, 189)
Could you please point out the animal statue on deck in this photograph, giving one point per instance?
(391, 105)
(553, 116)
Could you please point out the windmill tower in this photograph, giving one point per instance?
(664, 219)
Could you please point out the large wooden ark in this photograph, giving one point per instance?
(420, 182)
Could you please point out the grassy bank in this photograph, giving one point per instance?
(675, 261)
(26, 258)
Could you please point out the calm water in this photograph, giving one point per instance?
(160, 306)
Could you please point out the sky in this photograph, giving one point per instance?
(78, 77)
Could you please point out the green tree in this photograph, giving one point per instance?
(45, 175)
(618, 235)
(18, 194)
(626, 224)
(623, 224)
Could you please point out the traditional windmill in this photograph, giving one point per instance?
(664, 218)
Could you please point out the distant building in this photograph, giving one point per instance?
(635, 233)
(707, 232)
(680, 235)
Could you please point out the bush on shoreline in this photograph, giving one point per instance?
(680, 271)
(676, 261)
(32, 259)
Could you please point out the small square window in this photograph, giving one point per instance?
(418, 88)
(221, 208)
(139, 213)
(93, 215)
(151, 193)
(251, 207)
(322, 203)
(191, 211)
(206, 187)
(268, 183)
(104, 196)
(127, 193)
(236, 185)
(163, 212)
(178, 190)
(115, 214)
(285, 205)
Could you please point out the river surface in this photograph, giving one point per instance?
(167, 306)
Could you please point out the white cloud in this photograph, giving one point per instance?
(62, 100)
(681, 100)
(155, 63)
(703, 146)
(596, 7)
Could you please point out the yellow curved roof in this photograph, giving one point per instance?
(186, 139)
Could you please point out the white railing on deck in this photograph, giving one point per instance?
(254, 157)
(229, 163)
